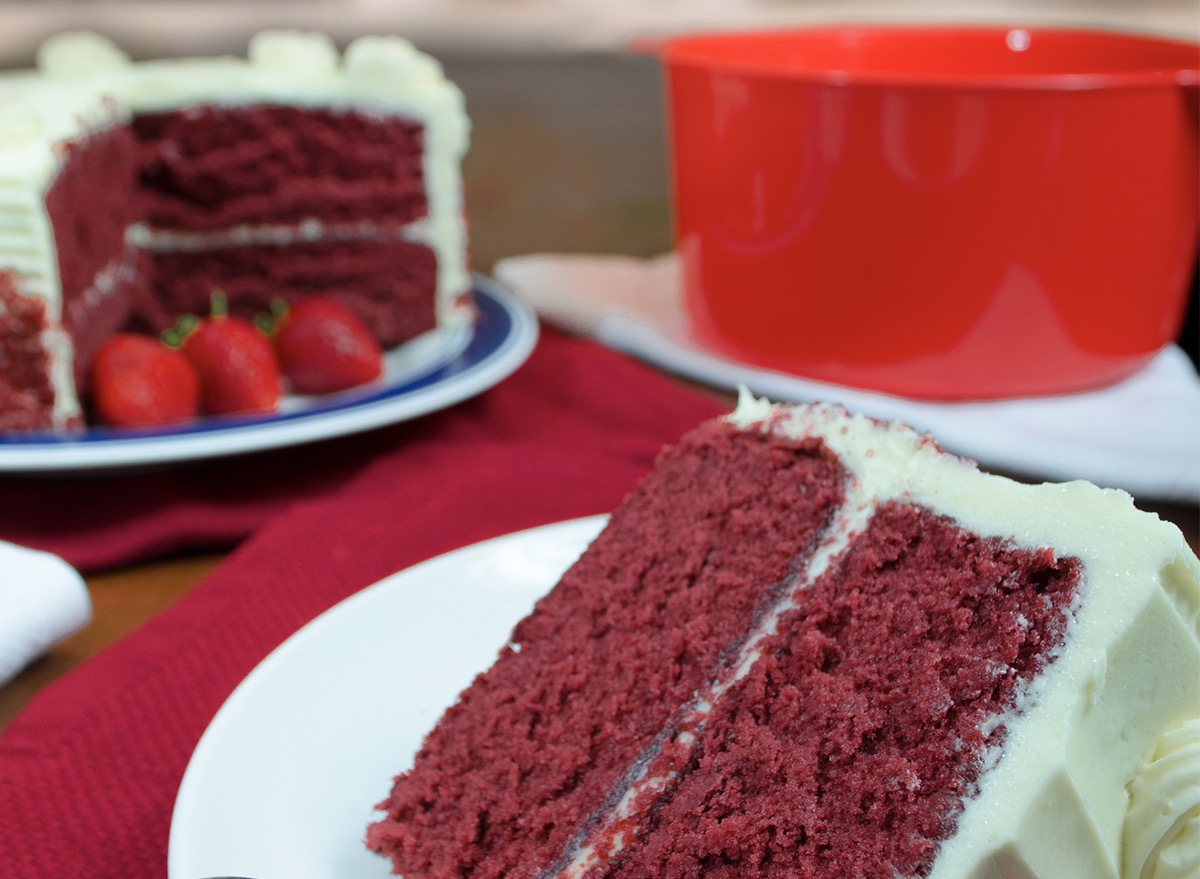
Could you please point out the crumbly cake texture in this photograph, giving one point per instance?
(813, 645)
(132, 191)
(25, 387)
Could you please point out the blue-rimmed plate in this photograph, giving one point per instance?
(431, 373)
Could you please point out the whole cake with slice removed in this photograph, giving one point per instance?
(130, 192)
(810, 644)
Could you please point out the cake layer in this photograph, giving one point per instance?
(850, 746)
(593, 677)
(26, 387)
(91, 203)
(213, 168)
(947, 675)
(378, 79)
(388, 283)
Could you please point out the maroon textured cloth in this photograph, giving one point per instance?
(89, 770)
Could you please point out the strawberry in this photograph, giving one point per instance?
(324, 347)
(237, 367)
(137, 381)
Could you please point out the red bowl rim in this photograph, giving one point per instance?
(691, 50)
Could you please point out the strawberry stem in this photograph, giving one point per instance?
(173, 336)
(269, 321)
(218, 304)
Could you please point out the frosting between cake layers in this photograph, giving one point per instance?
(1057, 803)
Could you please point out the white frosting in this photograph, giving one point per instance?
(85, 83)
(76, 54)
(1056, 803)
(294, 52)
(1162, 829)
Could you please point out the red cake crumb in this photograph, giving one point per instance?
(26, 396)
(90, 204)
(387, 284)
(534, 748)
(358, 176)
(848, 750)
(211, 168)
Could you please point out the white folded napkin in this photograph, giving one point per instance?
(42, 600)
(1142, 435)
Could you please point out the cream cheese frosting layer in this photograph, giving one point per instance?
(1092, 783)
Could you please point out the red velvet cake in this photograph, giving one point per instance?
(813, 645)
(131, 192)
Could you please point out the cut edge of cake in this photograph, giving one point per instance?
(1098, 774)
(84, 85)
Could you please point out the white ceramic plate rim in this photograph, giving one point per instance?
(284, 780)
(431, 373)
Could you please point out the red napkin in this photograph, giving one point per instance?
(88, 772)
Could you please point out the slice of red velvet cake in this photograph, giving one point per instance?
(129, 193)
(813, 645)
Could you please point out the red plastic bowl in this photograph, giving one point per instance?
(936, 212)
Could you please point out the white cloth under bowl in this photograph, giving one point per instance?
(42, 601)
(1141, 435)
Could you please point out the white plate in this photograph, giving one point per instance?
(430, 373)
(284, 781)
